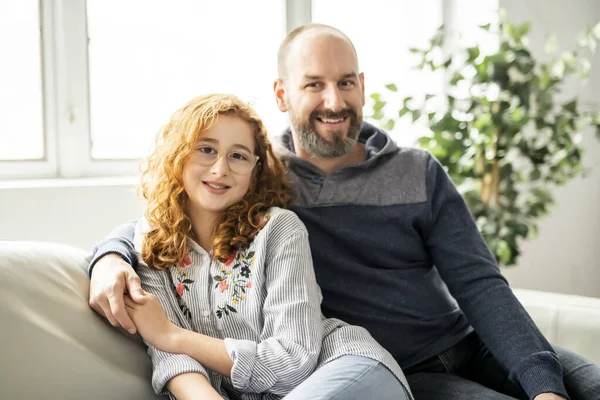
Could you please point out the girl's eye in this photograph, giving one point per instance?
(207, 150)
(239, 156)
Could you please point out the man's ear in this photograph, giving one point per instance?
(361, 78)
(280, 97)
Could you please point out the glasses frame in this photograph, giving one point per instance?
(219, 155)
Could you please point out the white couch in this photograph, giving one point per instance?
(572, 322)
(52, 345)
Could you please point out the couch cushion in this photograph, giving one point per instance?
(53, 346)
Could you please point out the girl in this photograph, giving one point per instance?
(232, 308)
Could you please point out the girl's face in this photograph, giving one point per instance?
(219, 171)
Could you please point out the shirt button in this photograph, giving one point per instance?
(206, 313)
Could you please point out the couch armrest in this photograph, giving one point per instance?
(53, 345)
(569, 321)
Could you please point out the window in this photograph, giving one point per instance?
(89, 83)
(112, 72)
(151, 57)
(386, 31)
(21, 109)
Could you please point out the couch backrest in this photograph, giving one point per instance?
(52, 340)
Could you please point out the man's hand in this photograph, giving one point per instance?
(111, 278)
(548, 396)
(152, 322)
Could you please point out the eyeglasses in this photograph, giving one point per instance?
(239, 162)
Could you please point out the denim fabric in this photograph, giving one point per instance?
(349, 378)
(468, 371)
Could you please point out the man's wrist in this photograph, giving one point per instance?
(114, 246)
(116, 257)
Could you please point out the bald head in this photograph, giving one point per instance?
(302, 33)
(321, 89)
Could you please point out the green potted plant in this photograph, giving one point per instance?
(500, 128)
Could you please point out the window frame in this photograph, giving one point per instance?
(66, 97)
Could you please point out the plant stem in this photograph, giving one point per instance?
(495, 195)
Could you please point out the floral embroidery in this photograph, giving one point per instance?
(182, 284)
(235, 278)
(186, 262)
(231, 258)
(223, 286)
(180, 289)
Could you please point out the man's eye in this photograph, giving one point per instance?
(347, 83)
(313, 85)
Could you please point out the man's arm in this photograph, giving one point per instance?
(112, 275)
(468, 268)
(119, 241)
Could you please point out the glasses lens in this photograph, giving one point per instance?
(207, 155)
(241, 163)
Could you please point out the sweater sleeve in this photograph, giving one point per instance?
(293, 330)
(119, 241)
(166, 366)
(466, 265)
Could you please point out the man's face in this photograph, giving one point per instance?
(323, 94)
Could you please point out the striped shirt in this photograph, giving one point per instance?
(265, 303)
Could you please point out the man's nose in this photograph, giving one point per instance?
(333, 99)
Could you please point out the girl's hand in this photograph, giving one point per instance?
(549, 396)
(152, 321)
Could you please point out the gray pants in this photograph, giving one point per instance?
(349, 378)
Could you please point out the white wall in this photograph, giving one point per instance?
(566, 255)
(76, 212)
(564, 258)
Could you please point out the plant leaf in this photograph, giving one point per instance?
(416, 114)
(389, 125)
(503, 252)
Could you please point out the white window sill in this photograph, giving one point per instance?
(69, 182)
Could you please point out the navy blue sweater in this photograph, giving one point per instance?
(397, 251)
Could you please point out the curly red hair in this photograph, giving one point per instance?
(162, 184)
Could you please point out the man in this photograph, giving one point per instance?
(394, 245)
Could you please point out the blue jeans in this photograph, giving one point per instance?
(468, 371)
(349, 378)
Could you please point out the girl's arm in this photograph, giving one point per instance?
(165, 365)
(161, 333)
(192, 386)
(293, 330)
(290, 342)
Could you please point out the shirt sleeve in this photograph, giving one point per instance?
(466, 265)
(119, 241)
(166, 366)
(293, 329)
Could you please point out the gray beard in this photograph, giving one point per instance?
(315, 144)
